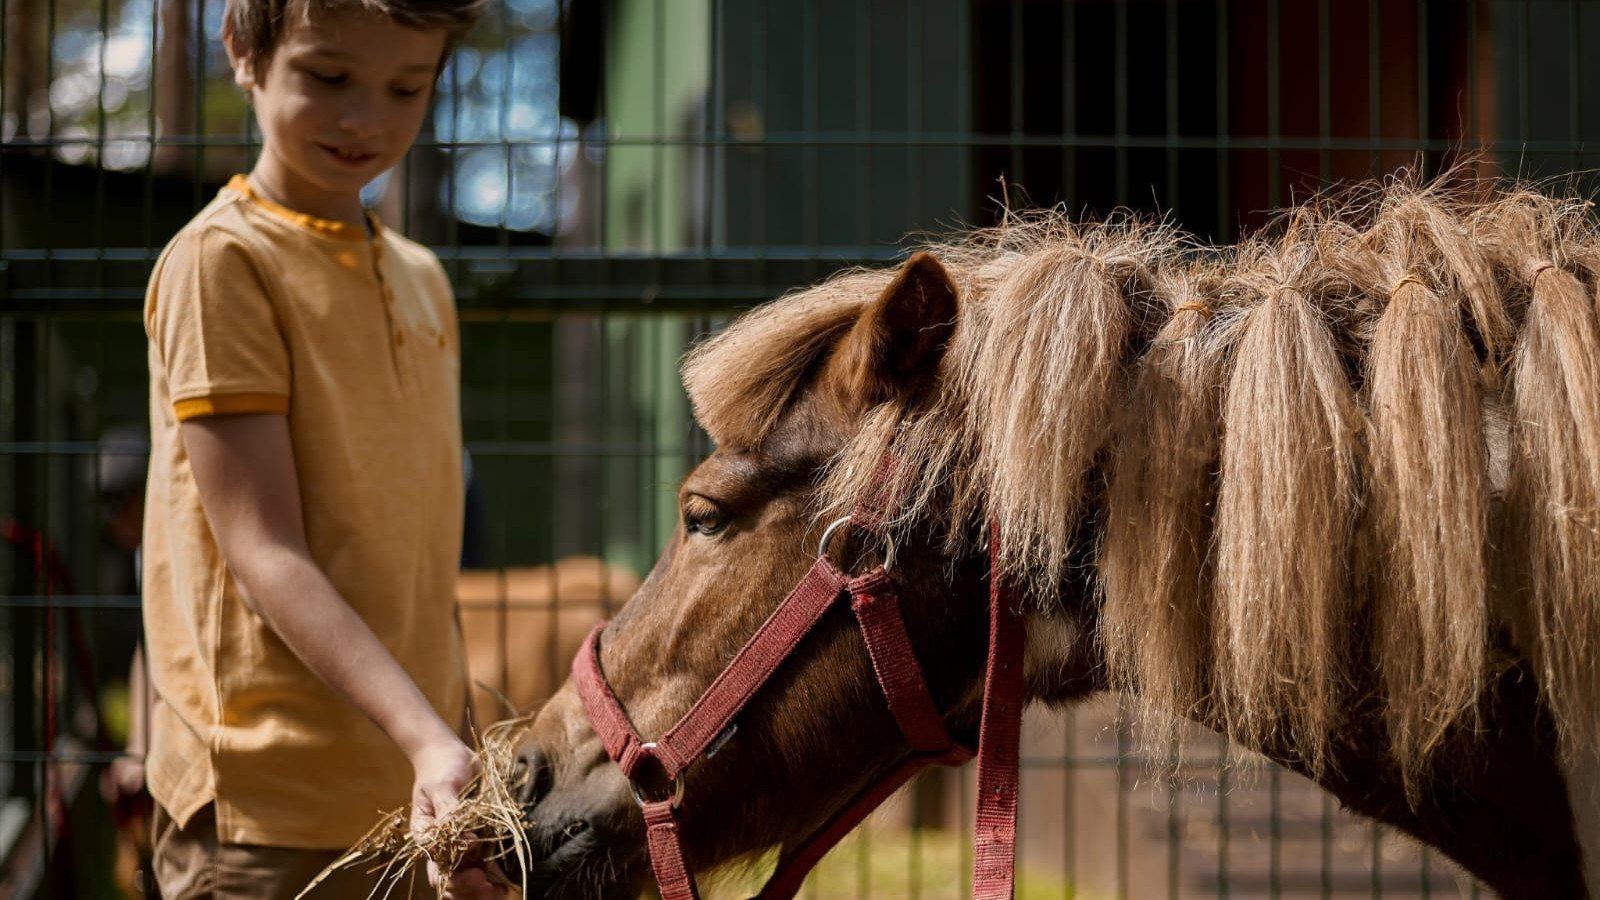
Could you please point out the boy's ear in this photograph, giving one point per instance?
(238, 59)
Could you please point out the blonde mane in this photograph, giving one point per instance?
(1288, 456)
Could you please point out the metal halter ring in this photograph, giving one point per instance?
(827, 536)
(677, 784)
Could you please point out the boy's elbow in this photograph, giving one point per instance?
(267, 572)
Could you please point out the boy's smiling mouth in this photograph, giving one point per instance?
(349, 157)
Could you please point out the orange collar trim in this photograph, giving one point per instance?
(343, 231)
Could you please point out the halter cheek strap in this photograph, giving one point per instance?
(656, 769)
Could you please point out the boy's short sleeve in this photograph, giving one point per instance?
(216, 331)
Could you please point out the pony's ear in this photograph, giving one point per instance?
(896, 345)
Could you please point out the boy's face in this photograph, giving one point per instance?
(341, 100)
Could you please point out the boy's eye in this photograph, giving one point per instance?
(328, 77)
(406, 93)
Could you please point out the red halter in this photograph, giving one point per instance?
(655, 769)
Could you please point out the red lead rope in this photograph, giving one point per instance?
(877, 609)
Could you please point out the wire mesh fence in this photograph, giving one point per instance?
(605, 181)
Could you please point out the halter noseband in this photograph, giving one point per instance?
(656, 769)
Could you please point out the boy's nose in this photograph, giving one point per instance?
(359, 118)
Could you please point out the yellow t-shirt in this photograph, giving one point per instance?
(255, 308)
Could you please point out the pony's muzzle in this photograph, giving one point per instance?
(565, 834)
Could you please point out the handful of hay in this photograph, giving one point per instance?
(485, 827)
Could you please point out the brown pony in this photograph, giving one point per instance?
(1334, 493)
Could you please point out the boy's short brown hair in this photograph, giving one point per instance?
(259, 25)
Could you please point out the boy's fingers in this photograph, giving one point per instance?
(472, 884)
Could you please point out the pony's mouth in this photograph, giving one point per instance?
(576, 860)
(576, 846)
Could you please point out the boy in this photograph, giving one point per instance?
(303, 522)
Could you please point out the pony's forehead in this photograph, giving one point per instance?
(742, 380)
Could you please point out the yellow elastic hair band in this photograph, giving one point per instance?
(1409, 279)
(1195, 306)
(1536, 271)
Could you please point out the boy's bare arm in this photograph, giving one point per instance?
(245, 470)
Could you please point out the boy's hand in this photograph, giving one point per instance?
(472, 883)
(443, 770)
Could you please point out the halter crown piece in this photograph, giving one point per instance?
(656, 769)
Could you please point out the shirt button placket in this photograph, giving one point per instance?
(397, 333)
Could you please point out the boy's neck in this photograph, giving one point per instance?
(334, 208)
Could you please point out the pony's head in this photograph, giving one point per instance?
(783, 392)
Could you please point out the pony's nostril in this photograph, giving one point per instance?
(534, 775)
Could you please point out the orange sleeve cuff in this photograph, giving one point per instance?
(230, 404)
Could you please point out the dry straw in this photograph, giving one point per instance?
(486, 826)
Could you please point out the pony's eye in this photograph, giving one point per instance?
(701, 517)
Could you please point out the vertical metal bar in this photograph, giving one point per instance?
(1524, 86)
(1173, 185)
(197, 66)
(914, 145)
(99, 215)
(501, 232)
(718, 188)
(1124, 788)
(1424, 88)
(26, 625)
(20, 132)
(1174, 816)
(811, 117)
(1274, 115)
(44, 651)
(1325, 876)
(1120, 99)
(1018, 79)
(603, 201)
(1376, 830)
(863, 122)
(1224, 818)
(1324, 90)
(1472, 78)
(1069, 797)
(1275, 832)
(758, 215)
(1224, 139)
(658, 131)
(1069, 105)
(1374, 96)
(1574, 89)
(147, 236)
(52, 146)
